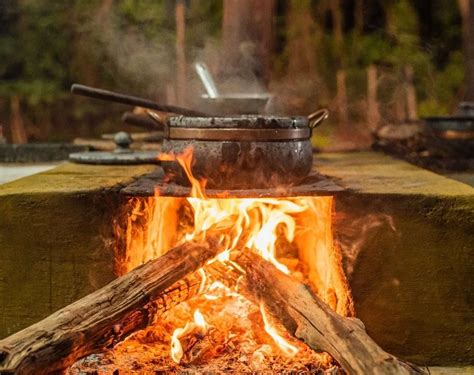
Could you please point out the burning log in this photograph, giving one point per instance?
(107, 316)
(309, 319)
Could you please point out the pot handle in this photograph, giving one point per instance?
(316, 118)
(160, 120)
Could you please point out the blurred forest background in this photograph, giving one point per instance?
(370, 62)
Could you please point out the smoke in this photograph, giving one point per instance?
(131, 58)
(355, 232)
(143, 61)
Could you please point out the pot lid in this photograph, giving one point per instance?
(121, 155)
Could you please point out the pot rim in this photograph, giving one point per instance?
(239, 122)
(239, 134)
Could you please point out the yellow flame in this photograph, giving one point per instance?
(245, 222)
(176, 347)
(254, 223)
(258, 224)
(199, 325)
(285, 346)
(202, 285)
(217, 290)
(199, 320)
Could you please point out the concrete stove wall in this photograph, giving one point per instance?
(53, 232)
(408, 235)
(412, 285)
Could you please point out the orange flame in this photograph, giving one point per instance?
(245, 222)
(284, 345)
(199, 325)
(254, 223)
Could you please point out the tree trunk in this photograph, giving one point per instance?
(170, 94)
(399, 107)
(359, 16)
(410, 91)
(309, 319)
(373, 113)
(107, 316)
(180, 52)
(337, 21)
(3, 140)
(105, 7)
(244, 22)
(17, 127)
(468, 30)
(341, 99)
(464, 11)
(301, 47)
(264, 20)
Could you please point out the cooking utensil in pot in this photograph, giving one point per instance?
(96, 93)
(206, 79)
(242, 152)
(237, 103)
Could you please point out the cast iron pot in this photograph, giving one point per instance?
(241, 152)
(238, 152)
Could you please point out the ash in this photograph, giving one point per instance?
(236, 342)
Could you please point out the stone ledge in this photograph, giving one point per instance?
(55, 239)
(376, 173)
(408, 239)
(75, 178)
(412, 232)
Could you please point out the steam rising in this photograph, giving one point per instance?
(139, 62)
(133, 58)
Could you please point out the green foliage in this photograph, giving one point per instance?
(142, 12)
(441, 97)
(203, 21)
(45, 45)
(363, 50)
(39, 44)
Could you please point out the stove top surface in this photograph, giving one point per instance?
(314, 184)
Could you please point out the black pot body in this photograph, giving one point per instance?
(239, 164)
(243, 165)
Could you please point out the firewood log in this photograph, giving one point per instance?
(107, 316)
(309, 319)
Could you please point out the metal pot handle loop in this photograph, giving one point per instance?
(161, 120)
(316, 118)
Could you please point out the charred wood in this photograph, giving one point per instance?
(107, 316)
(309, 319)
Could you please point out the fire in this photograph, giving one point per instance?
(198, 327)
(286, 347)
(301, 226)
(246, 222)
